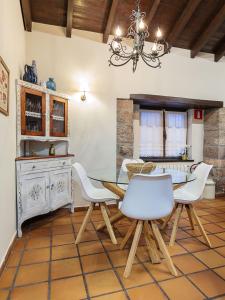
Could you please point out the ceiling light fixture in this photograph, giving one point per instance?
(138, 31)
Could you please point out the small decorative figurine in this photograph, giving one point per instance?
(52, 150)
(51, 84)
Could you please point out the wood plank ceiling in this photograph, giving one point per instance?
(198, 25)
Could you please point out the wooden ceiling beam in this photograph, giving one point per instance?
(26, 12)
(152, 12)
(69, 19)
(110, 20)
(220, 52)
(208, 32)
(182, 20)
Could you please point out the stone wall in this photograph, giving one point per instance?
(125, 135)
(214, 145)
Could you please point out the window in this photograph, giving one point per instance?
(162, 133)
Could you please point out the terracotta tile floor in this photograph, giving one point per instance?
(45, 264)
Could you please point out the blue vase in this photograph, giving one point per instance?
(50, 84)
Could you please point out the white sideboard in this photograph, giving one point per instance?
(43, 185)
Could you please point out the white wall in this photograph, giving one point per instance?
(93, 126)
(12, 50)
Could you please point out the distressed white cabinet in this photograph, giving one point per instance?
(43, 185)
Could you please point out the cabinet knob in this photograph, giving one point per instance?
(47, 186)
(52, 186)
(64, 163)
(33, 167)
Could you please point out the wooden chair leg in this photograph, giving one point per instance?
(112, 219)
(108, 224)
(84, 224)
(133, 249)
(128, 234)
(107, 210)
(168, 218)
(164, 249)
(151, 245)
(200, 226)
(175, 224)
(190, 217)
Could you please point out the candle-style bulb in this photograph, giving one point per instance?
(141, 25)
(118, 32)
(154, 47)
(159, 33)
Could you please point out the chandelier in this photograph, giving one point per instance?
(138, 31)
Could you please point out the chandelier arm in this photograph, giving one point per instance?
(158, 65)
(119, 64)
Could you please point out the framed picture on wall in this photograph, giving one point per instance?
(4, 88)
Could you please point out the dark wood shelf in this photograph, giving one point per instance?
(43, 157)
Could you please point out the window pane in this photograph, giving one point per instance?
(176, 132)
(151, 124)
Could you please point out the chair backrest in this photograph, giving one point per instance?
(83, 181)
(148, 197)
(196, 187)
(130, 161)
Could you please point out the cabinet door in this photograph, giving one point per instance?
(34, 197)
(33, 109)
(60, 188)
(58, 116)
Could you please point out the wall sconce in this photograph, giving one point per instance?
(83, 96)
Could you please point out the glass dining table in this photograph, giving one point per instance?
(117, 182)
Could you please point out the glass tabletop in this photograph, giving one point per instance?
(107, 175)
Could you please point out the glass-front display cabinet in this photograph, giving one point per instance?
(33, 112)
(58, 116)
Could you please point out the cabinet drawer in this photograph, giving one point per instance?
(35, 165)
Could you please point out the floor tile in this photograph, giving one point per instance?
(209, 283)
(32, 274)
(7, 277)
(215, 241)
(140, 293)
(188, 264)
(77, 226)
(64, 251)
(4, 294)
(65, 268)
(68, 289)
(39, 242)
(176, 250)
(142, 254)
(159, 271)
(113, 296)
(192, 245)
(181, 288)
(211, 258)
(35, 256)
(89, 236)
(86, 248)
(34, 292)
(110, 246)
(221, 250)
(138, 276)
(102, 282)
(62, 229)
(62, 221)
(221, 272)
(119, 258)
(95, 262)
(19, 244)
(14, 258)
(62, 239)
(213, 228)
(221, 235)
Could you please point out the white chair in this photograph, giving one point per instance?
(95, 196)
(147, 199)
(185, 197)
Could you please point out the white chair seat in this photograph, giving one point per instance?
(101, 195)
(183, 196)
